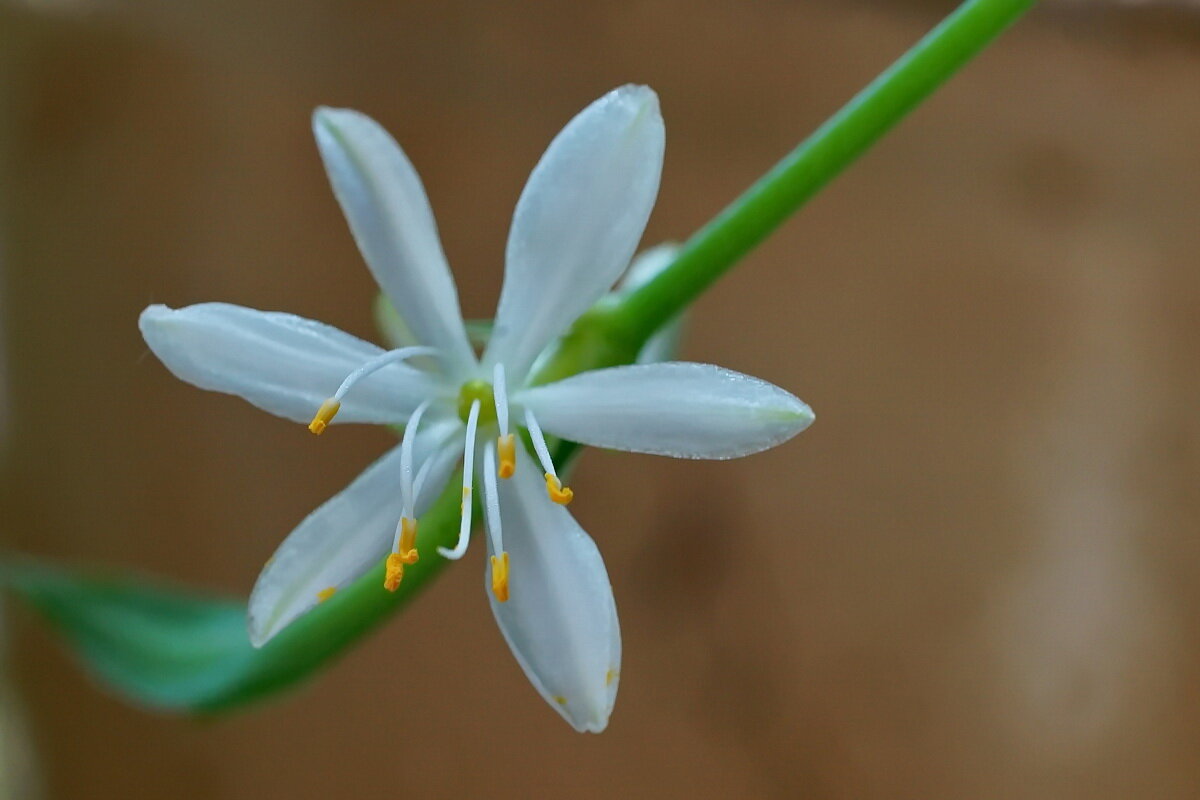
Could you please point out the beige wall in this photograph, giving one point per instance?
(975, 576)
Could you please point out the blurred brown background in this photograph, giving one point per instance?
(975, 576)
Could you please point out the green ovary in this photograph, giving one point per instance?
(481, 391)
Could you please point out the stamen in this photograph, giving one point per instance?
(464, 528)
(330, 407)
(500, 393)
(395, 572)
(406, 459)
(554, 487)
(491, 498)
(506, 442)
(500, 577)
(406, 547)
(423, 473)
(491, 505)
(379, 362)
(507, 447)
(558, 493)
(324, 416)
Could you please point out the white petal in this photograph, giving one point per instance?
(282, 363)
(578, 222)
(673, 409)
(337, 543)
(663, 345)
(389, 215)
(391, 325)
(446, 457)
(560, 618)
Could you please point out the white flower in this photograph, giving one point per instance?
(574, 231)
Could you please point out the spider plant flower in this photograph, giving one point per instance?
(575, 229)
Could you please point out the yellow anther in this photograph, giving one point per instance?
(506, 449)
(408, 540)
(324, 416)
(325, 594)
(500, 577)
(558, 493)
(395, 572)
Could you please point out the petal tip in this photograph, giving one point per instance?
(642, 102)
(331, 124)
(153, 313)
(637, 93)
(324, 125)
(153, 322)
(805, 416)
(596, 721)
(796, 418)
(592, 727)
(258, 636)
(264, 623)
(327, 115)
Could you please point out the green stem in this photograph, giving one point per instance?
(834, 146)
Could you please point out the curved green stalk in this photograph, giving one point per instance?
(833, 147)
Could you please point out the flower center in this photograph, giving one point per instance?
(478, 403)
(481, 391)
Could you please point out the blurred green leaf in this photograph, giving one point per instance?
(174, 648)
(163, 646)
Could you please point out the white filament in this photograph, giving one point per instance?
(380, 361)
(464, 528)
(406, 459)
(423, 473)
(491, 497)
(539, 443)
(500, 393)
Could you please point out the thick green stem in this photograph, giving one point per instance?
(833, 147)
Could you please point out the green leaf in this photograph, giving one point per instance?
(173, 648)
(163, 646)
